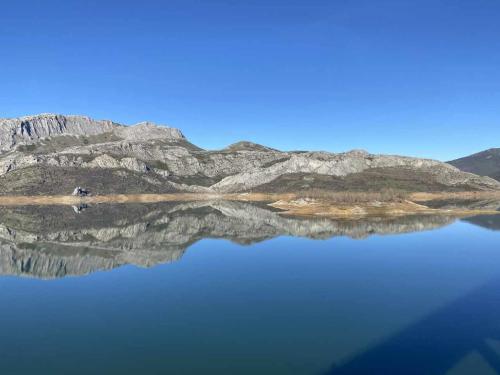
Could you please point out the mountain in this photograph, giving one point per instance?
(51, 154)
(485, 163)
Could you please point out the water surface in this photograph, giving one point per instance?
(231, 288)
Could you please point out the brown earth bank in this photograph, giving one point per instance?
(331, 204)
(463, 195)
(304, 207)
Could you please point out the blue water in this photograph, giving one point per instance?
(418, 303)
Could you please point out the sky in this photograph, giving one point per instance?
(418, 77)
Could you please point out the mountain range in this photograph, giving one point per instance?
(52, 154)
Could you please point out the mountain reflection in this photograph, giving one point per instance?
(58, 241)
(491, 222)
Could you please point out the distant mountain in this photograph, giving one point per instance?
(485, 163)
(52, 154)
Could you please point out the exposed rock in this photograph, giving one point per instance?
(30, 129)
(164, 160)
(145, 131)
(350, 163)
(80, 192)
(248, 146)
(104, 161)
(134, 165)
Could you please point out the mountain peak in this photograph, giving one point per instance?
(31, 129)
(148, 130)
(247, 146)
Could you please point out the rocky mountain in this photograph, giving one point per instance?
(57, 241)
(31, 129)
(51, 154)
(485, 163)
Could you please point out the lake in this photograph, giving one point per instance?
(234, 288)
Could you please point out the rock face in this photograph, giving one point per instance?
(56, 241)
(51, 154)
(32, 129)
(485, 163)
(145, 131)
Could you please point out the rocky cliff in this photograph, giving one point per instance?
(32, 129)
(51, 154)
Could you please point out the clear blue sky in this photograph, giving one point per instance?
(419, 77)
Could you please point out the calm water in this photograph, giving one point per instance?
(221, 288)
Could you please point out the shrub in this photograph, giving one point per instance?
(383, 195)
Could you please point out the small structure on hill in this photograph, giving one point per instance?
(80, 192)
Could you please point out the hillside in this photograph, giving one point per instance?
(51, 154)
(485, 163)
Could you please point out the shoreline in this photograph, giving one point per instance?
(42, 200)
(372, 209)
(289, 203)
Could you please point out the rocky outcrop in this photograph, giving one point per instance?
(165, 161)
(80, 192)
(146, 131)
(350, 163)
(31, 129)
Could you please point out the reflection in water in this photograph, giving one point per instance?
(422, 303)
(471, 204)
(485, 221)
(56, 241)
(449, 336)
